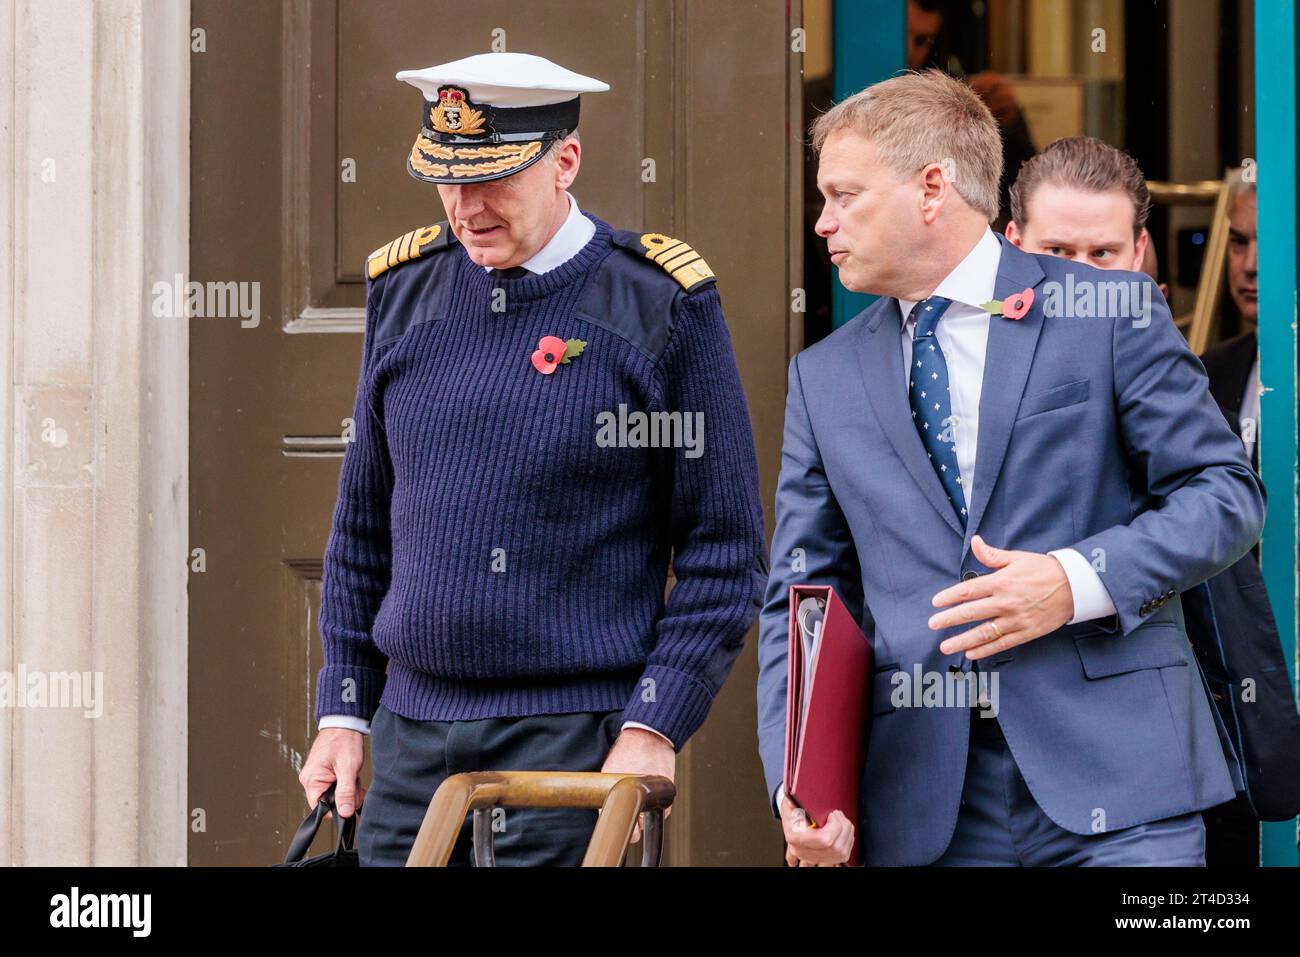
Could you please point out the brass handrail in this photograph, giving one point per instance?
(1199, 325)
(1201, 193)
(620, 798)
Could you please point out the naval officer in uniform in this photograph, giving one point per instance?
(493, 587)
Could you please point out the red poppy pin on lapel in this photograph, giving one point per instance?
(552, 351)
(1013, 307)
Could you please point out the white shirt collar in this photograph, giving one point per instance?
(973, 280)
(574, 233)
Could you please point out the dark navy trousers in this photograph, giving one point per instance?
(1001, 825)
(410, 758)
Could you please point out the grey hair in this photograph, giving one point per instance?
(549, 155)
(1238, 184)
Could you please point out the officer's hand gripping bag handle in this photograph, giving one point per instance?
(344, 854)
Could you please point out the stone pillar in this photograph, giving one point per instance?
(94, 190)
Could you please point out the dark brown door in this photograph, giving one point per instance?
(299, 139)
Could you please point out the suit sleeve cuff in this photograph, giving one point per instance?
(344, 721)
(1091, 600)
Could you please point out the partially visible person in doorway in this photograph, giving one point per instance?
(1233, 365)
(924, 27)
(924, 21)
(1233, 829)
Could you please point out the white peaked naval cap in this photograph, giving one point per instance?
(505, 80)
(491, 115)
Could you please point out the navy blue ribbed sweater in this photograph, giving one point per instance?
(488, 557)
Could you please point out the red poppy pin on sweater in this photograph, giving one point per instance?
(1013, 307)
(553, 351)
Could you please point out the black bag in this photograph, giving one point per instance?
(344, 855)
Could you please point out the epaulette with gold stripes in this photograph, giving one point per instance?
(678, 259)
(408, 246)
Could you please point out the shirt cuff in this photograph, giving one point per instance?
(645, 727)
(344, 721)
(776, 800)
(1091, 600)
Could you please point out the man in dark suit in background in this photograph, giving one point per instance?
(1233, 365)
(1232, 829)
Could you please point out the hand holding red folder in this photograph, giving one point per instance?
(807, 845)
(828, 706)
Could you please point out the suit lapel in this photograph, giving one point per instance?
(880, 352)
(1010, 353)
(1230, 373)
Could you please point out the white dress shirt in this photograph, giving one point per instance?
(1248, 418)
(574, 233)
(963, 335)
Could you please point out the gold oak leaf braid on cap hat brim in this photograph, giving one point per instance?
(511, 155)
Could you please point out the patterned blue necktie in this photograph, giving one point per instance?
(927, 390)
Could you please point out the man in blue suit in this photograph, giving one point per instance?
(1008, 464)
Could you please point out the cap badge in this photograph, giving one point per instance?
(454, 113)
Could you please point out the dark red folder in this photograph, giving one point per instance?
(825, 749)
